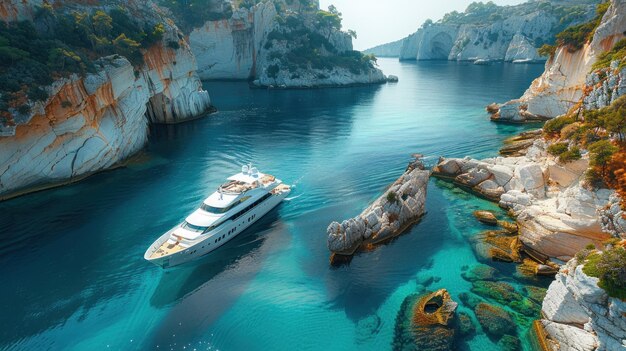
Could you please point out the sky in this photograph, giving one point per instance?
(379, 22)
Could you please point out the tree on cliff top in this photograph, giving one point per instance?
(329, 21)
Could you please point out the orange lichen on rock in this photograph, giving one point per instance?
(71, 100)
(435, 308)
(157, 56)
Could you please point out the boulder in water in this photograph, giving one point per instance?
(388, 216)
(426, 322)
(486, 217)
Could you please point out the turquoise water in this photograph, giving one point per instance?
(71, 258)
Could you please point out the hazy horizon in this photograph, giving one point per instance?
(391, 24)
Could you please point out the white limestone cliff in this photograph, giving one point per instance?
(228, 49)
(240, 48)
(565, 79)
(515, 37)
(92, 123)
(579, 315)
(386, 50)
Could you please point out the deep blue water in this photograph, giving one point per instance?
(73, 276)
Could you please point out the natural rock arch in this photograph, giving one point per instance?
(440, 46)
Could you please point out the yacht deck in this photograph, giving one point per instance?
(167, 249)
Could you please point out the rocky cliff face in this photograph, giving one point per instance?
(255, 44)
(228, 49)
(567, 77)
(579, 315)
(94, 122)
(392, 49)
(511, 34)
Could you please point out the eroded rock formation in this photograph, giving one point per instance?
(400, 206)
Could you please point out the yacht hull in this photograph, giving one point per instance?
(209, 243)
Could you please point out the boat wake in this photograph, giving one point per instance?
(293, 198)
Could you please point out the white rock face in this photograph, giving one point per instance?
(561, 85)
(509, 39)
(94, 123)
(521, 49)
(228, 49)
(556, 215)
(240, 48)
(387, 50)
(613, 218)
(605, 86)
(579, 315)
(383, 218)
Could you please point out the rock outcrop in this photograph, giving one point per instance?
(579, 315)
(566, 79)
(399, 207)
(489, 32)
(613, 217)
(95, 122)
(556, 214)
(258, 44)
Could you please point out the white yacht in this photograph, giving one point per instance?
(236, 205)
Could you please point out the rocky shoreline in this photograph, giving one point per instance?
(388, 216)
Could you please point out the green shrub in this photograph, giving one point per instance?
(617, 53)
(557, 149)
(392, 197)
(66, 43)
(547, 50)
(272, 71)
(577, 36)
(191, 14)
(610, 267)
(570, 155)
(555, 125)
(600, 153)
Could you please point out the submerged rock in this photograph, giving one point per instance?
(426, 322)
(389, 215)
(486, 217)
(501, 292)
(470, 300)
(466, 326)
(498, 245)
(509, 343)
(495, 321)
(480, 272)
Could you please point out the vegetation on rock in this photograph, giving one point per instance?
(57, 44)
(576, 37)
(609, 266)
(194, 13)
(309, 45)
(617, 53)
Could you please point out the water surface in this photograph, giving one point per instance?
(71, 258)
